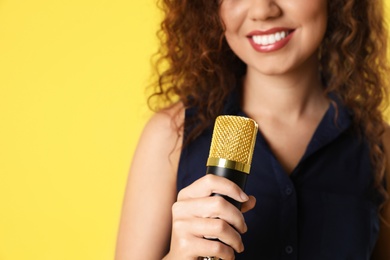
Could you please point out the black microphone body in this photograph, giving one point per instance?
(235, 176)
(231, 150)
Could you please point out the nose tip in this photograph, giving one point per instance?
(264, 9)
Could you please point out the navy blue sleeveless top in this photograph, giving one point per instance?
(325, 209)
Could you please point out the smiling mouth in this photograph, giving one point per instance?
(269, 39)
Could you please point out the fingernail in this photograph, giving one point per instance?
(244, 197)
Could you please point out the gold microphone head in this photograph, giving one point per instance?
(233, 142)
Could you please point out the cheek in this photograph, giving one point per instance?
(314, 17)
(307, 11)
(232, 14)
(320, 21)
(316, 11)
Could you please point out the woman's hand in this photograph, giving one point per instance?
(197, 215)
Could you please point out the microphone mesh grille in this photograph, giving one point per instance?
(234, 139)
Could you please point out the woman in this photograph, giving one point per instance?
(311, 74)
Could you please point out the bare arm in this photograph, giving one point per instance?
(145, 226)
(155, 224)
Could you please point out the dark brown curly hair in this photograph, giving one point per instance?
(196, 66)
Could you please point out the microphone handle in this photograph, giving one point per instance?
(235, 176)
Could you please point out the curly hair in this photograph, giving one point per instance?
(195, 64)
(197, 67)
(353, 59)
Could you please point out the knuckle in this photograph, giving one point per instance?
(181, 194)
(178, 225)
(232, 187)
(218, 202)
(176, 209)
(217, 248)
(222, 250)
(208, 179)
(220, 226)
(230, 253)
(183, 243)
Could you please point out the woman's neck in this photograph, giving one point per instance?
(291, 96)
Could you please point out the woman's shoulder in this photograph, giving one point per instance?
(152, 175)
(163, 133)
(167, 121)
(160, 143)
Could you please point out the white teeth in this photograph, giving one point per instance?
(264, 40)
(277, 36)
(269, 39)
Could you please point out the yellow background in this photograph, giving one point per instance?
(72, 105)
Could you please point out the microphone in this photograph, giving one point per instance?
(231, 150)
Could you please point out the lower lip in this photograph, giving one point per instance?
(271, 47)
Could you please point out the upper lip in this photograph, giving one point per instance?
(270, 31)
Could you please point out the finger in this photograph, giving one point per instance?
(210, 207)
(210, 184)
(189, 238)
(248, 205)
(218, 229)
(215, 248)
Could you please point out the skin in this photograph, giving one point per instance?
(282, 92)
(151, 194)
(282, 88)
